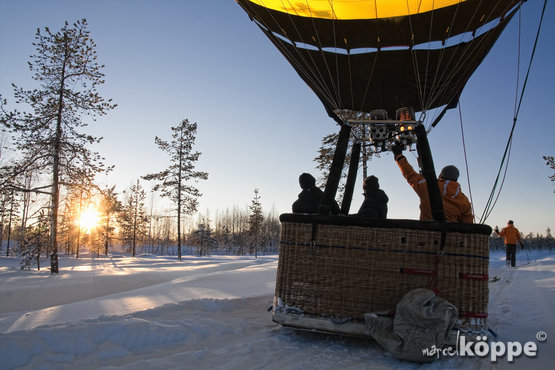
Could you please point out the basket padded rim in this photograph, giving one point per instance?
(354, 220)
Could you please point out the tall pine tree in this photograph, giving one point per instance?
(174, 182)
(47, 137)
(256, 220)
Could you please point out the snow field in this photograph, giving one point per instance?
(211, 313)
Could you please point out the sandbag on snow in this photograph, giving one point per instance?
(422, 320)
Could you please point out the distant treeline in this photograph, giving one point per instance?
(226, 233)
(229, 232)
(530, 241)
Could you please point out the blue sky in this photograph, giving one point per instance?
(259, 126)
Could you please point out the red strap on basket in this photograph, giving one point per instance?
(433, 273)
(482, 277)
(410, 271)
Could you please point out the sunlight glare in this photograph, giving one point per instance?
(89, 218)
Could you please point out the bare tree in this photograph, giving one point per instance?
(109, 208)
(134, 217)
(47, 137)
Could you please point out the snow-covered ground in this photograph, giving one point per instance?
(153, 312)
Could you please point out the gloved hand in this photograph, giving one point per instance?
(521, 246)
(396, 149)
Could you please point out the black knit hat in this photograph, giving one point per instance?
(450, 173)
(306, 181)
(371, 183)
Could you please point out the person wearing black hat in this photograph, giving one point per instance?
(511, 235)
(375, 199)
(456, 206)
(310, 197)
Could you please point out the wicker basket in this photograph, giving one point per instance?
(341, 267)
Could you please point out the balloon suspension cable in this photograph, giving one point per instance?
(303, 63)
(466, 161)
(506, 155)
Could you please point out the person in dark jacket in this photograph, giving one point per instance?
(375, 199)
(311, 196)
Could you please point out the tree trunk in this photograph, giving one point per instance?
(10, 225)
(54, 217)
(134, 242)
(179, 229)
(25, 212)
(56, 171)
(2, 232)
(179, 198)
(55, 196)
(79, 228)
(107, 238)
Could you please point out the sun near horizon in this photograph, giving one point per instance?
(89, 218)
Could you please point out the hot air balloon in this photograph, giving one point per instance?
(366, 55)
(368, 61)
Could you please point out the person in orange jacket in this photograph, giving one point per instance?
(511, 235)
(456, 206)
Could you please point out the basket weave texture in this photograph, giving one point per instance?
(347, 271)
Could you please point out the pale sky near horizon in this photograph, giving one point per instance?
(260, 126)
